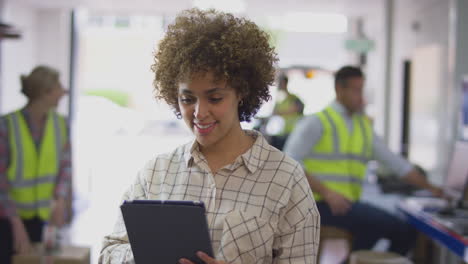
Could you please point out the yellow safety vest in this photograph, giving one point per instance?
(290, 120)
(33, 175)
(339, 158)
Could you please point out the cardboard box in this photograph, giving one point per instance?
(66, 255)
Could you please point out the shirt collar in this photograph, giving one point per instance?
(25, 112)
(341, 109)
(252, 159)
(189, 151)
(338, 107)
(256, 156)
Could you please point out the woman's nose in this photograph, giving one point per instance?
(201, 110)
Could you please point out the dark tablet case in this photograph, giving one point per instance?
(166, 232)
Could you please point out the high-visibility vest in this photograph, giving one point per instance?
(32, 175)
(291, 119)
(339, 158)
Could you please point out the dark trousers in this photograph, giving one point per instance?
(368, 224)
(33, 227)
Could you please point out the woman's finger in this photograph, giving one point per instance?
(185, 261)
(207, 259)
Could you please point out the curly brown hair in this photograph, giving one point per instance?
(234, 49)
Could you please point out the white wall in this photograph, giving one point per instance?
(417, 24)
(53, 27)
(45, 40)
(313, 49)
(374, 28)
(458, 56)
(18, 56)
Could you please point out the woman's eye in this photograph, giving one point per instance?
(186, 100)
(216, 100)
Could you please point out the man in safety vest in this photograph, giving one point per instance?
(35, 165)
(290, 108)
(334, 147)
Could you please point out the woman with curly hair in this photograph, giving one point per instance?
(214, 70)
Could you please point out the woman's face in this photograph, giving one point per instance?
(209, 108)
(52, 97)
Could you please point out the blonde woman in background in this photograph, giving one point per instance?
(35, 164)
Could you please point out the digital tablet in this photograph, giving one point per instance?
(166, 231)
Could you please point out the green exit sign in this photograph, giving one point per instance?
(360, 45)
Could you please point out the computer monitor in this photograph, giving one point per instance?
(456, 180)
(463, 202)
(464, 108)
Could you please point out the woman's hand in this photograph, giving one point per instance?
(207, 259)
(22, 244)
(58, 212)
(438, 192)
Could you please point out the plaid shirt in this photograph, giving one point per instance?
(7, 206)
(259, 209)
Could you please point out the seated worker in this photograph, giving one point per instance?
(35, 164)
(214, 70)
(290, 108)
(334, 147)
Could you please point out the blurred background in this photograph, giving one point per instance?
(410, 50)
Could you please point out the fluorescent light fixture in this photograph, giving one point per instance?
(309, 22)
(231, 6)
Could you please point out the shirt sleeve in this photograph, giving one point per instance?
(303, 138)
(299, 229)
(116, 246)
(392, 161)
(7, 206)
(65, 170)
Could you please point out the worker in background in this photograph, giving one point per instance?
(290, 108)
(35, 165)
(334, 147)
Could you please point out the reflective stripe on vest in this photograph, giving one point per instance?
(32, 175)
(339, 158)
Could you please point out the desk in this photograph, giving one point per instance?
(66, 255)
(451, 241)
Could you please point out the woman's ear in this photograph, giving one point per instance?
(240, 99)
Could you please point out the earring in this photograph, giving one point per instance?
(241, 103)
